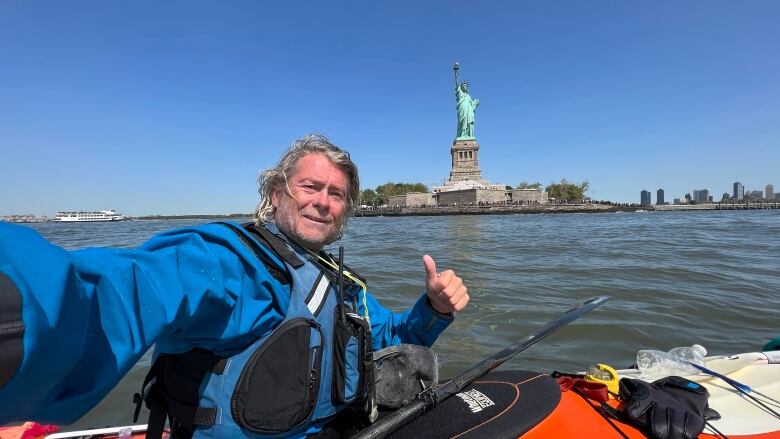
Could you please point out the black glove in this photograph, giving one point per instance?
(669, 408)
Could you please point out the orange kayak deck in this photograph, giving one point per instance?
(577, 417)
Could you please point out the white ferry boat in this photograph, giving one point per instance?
(82, 216)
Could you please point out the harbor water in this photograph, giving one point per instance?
(675, 279)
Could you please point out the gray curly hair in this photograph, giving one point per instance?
(276, 177)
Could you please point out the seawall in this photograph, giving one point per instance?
(495, 210)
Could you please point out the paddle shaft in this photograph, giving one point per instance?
(430, 398)
(742, 388)
(732, 382)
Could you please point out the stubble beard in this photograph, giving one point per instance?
(285, 218)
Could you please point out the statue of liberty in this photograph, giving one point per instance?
(466, 106)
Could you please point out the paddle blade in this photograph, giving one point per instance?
(569, 316)
(552, 326)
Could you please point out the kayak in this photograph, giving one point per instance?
(531, 405)
(511, 404)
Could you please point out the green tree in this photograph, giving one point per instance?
(387, 190)
(566, 191)
(369, 197)
(526, 185)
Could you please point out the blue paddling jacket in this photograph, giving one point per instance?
(72, 323)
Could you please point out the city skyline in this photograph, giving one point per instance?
(704, 195)
(114, 108)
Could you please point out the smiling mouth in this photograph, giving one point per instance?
(317, 220)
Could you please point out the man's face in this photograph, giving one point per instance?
(313, 211)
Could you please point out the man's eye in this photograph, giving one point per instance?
(338, 196)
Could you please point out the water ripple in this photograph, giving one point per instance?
(675, 278)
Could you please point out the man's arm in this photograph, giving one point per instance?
(421, 324)
(89, 315)
(445, 294)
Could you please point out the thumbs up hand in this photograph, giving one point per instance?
(445, 290)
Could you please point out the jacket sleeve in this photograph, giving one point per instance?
(77, 321)
(419, 325)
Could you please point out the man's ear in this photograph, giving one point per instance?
(275, 197)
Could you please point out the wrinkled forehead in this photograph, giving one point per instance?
(320, 167)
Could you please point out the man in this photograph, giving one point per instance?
(235, 313)
(313, 205)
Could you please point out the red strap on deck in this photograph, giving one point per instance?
(594, 391)
(28, 430)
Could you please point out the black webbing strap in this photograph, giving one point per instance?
(219, 368)
(151, 394)
(277, 244)
(162, 408)
(183, 417)
(279, 274)
(189, 415)
(158, 414)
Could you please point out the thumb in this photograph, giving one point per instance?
(430, 269)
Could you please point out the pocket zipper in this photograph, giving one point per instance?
(315, 364)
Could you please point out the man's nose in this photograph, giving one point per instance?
(322, 199)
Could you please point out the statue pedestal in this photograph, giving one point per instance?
(466, 177)
(465, 162)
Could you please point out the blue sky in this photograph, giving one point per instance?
(174, 107)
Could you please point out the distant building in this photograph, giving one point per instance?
(739, 191)
(659, 197)
(688, 198)
(725, 196)
(756, 195)
(769, 192)
(677, 201)
(777, 195)
(645, 198)
(412, 199)
(701, 195)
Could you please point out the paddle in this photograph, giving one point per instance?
(741, 388)
(430, 398)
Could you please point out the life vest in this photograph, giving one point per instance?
(289, 381)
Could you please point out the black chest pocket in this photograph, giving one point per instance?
(278, 388)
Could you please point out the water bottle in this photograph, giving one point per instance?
(695, 354)
(656, 364)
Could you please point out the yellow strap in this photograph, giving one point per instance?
(353, 278)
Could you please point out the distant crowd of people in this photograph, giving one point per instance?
(551, 201)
